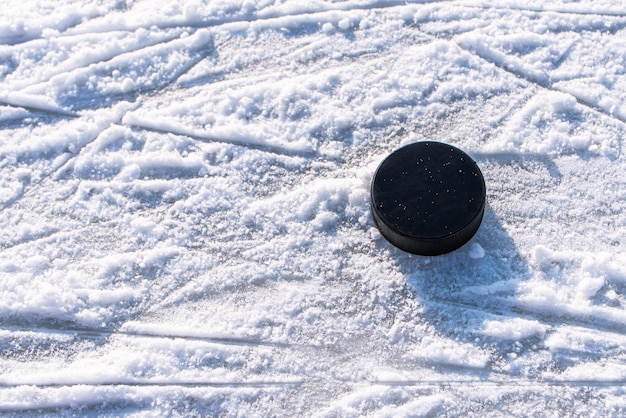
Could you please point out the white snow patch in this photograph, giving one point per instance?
(513, 329)
(476, 251)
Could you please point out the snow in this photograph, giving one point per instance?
(186, 230)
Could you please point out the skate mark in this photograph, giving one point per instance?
(541, 80)
(130, 383)
(155, 383)
(35, 108)
(101, 60)
(554, 320)
(93, 334)
(546, 8)
(19, 40)
(310, 13)
(61, 163)
(214, 78)
(227, 137)
(42, 236)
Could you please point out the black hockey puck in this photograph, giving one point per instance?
(428, 198)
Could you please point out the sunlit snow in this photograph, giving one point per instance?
(185, 225)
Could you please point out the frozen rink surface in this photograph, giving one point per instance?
(185, 226)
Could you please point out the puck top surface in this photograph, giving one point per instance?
(428, 192)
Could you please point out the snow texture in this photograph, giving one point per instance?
(185, 225)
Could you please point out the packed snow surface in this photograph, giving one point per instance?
(185, 225)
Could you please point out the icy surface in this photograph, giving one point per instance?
(185, 225)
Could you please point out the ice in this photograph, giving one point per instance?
(186, 226)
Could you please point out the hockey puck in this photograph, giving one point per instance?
(428, 198)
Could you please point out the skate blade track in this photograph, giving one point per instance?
(65, 333)
(556, 320)
(512, 383)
